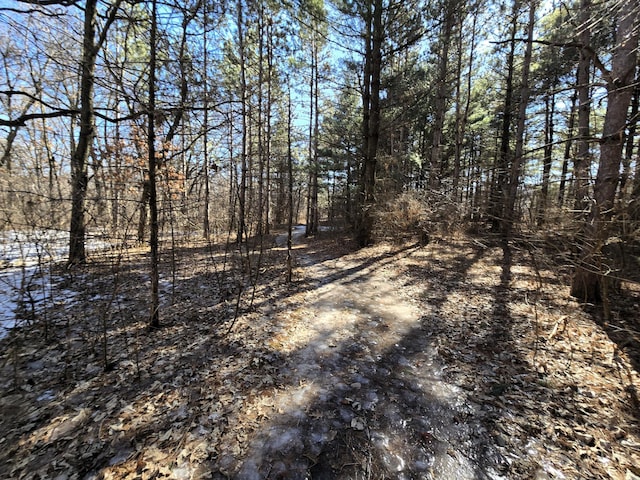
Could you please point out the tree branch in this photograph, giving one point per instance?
(47, 3)
(587, 48)
(113, 10)
(17, 10)
(22, 120)
(28, 95)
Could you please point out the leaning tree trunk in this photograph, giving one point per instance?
(589, 283)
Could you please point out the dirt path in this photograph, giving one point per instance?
(462, 359)
(370, 400)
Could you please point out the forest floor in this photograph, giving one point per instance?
(460, 359)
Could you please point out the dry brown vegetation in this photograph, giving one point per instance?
(463, 358)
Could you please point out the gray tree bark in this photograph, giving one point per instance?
(79, 160)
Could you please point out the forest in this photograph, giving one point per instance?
(319, 239)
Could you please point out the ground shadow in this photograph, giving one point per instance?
(377, 412)
(430, 402)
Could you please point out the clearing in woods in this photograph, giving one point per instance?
(459, 359)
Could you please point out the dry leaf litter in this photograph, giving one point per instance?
(459, 359)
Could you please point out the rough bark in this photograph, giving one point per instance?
(371, 120)
(154, 314)
(582, 161)
(518, 161)
(589, 281)
(79, 159)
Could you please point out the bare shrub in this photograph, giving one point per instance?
(416, 214)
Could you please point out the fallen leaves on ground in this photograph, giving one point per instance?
(514, 362)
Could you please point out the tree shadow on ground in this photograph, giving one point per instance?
(387, 398)
(623, 329)
(619, 315)
(379, 412)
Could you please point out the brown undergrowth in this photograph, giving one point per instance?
(395, 361)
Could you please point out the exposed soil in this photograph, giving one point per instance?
(460, 359)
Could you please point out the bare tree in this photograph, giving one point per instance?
(154, 316)
(79, 160)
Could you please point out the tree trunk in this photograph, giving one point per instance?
(261, 128)
(289, 189)
(371, 121)
(5, 160)
(206, 224)
(589, 283)
(567, 151)
(503, 159)
(518, 161)
(242, 194)
(550, 107)
(630, 141)
(154, 314)
(635, 194)
(143, 209)
(436, 170)
(582, 162)
(79, 159)
(312, 188)
(462, 114)
(315, 216)
(80, 156)
(267, 220)
(619, 92)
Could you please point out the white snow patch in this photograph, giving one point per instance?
(25, 261)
